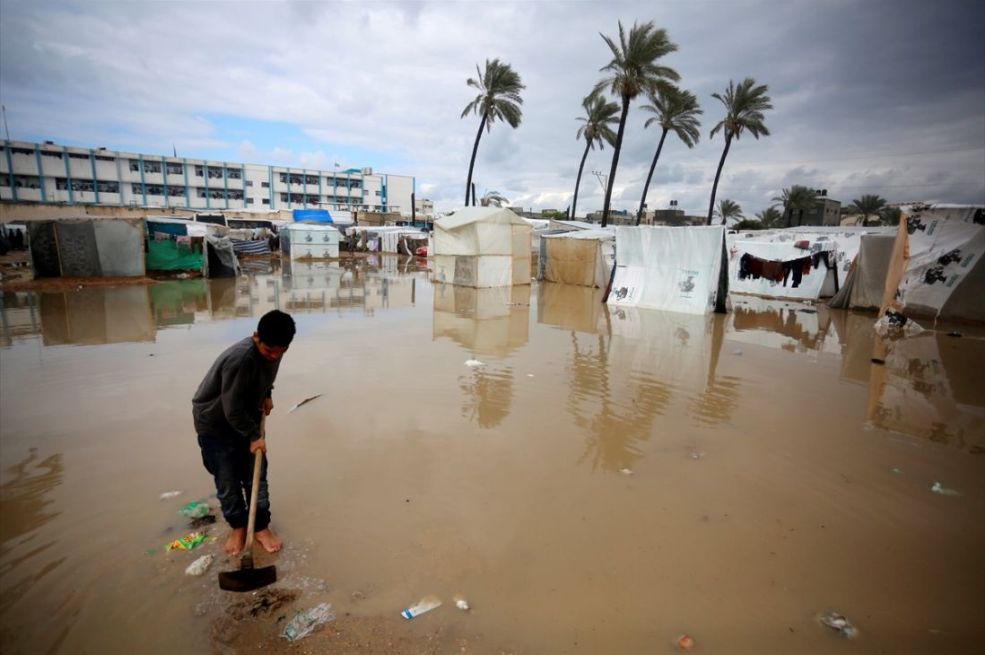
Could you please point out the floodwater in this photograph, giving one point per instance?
(607, 481)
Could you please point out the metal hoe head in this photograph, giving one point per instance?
(247, 578)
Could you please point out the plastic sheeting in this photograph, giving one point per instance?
(87, 248)
(671, 268)
(168, 255)
(866, 281)
(937, 265)
(583, 258)
(120, 244)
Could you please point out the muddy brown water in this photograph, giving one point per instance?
(607, 481)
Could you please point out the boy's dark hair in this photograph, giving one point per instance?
(276, 328)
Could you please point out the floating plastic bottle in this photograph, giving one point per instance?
(307, 621)
(425, 604)
(199, 566)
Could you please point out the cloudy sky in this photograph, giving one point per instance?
(870, 96)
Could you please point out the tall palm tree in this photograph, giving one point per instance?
(675, 110)
(744, 107)
(632, 71)
(599, 114)
(493, 199)
(769, 217)
(727, 210)
(867, 205)
(796, 199)
(499, 99)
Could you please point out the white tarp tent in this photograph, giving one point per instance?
(865, 284)
(679, 269)
(805, 263)
(936, 267)
(482, 247)
(581, 257)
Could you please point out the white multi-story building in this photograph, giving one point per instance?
(50, 173)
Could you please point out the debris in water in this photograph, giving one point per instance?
(685, 643)
(170, 494)
(940, 489)
(462, 604)
(836, 621)
(530, 375)
(190, 541)
(306, 400)
(897, 471)
(737, 351)
(425, 604)
(307, 621)
(473, 363)
(954, 333)
(195, 510)
(626, 471)
(199, 566)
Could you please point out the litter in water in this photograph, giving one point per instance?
(737, 351)
(170, 494)
(684, 643)
(195, 510)
(462, 604)
(190, 541)
(626, 471)
(425, 604)
(897, 471)
(307, 621)
(940, 489)
(473, 363)
(305, 401)
(836, 621)
(199, 566)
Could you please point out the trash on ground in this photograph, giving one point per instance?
(473, 363)
(626, 471)
(940, 489)
(196, 524)
(684, 643)
(305, 401)
(897, 471)
(190, 541)
(696, 454)
(462, 604)
(199, 566)
(425, 604)
(195, 509)
(170, 494)
(308, 621)
(737, 351)
(894, 324)
(836, 621)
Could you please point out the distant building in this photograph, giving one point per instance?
(424, 208)
(616, 217)
(55, 174)
(826, 211)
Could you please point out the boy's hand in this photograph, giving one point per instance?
(258, 445)
(267, 406)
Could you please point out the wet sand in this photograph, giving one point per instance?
(606, 481)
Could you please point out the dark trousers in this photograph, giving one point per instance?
(231, 464)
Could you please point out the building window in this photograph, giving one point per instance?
(134, 166)
(235, 194)
(249, 183)
(104, 158)
(155, 190)
(51, 153)
(152, 167)
(292, 179)
(174, 191)
(21, 151)
(75, 155)
(175, 169)
(234, 173)
(108, 187)
(215, 172)
(265, 185)
(266, 201)
(199, 171)
(311, 179)
(249, 201)
(135, 187)
(27, 182)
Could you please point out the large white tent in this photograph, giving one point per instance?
(482, 247)
(679, 269)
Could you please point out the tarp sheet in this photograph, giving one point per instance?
(94, 247)
(583, 258)
(481, 231)
(120, 244)
(670, 268)
(866, 281)
(169, 255)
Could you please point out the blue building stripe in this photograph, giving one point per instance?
(37, 157)
(95, 180)
(184, 165)
(143, 180)
(10, 170)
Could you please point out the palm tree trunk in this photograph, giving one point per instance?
(581, 167)
(475, 149)
(660, 146)
(714, 187)
(615, 161)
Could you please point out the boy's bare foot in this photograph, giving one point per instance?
(236, 541)
(270, 542)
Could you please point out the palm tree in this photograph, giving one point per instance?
(769, 217)
(632, 71)
(867, 205)
(890, 216)
(796, 199)
(493, 199)
(599, 114)
(727, 210)
(499, 99)
(744, 107)
(677, 110)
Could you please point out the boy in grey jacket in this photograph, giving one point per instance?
(226, 409)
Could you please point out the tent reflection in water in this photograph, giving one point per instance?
(482, 247)
(678, 269)
(97, 315)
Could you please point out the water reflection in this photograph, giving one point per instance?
(18, 316)
(931, 386)
(97, 315)
(24, 506)
(793, 327)
(571, 307)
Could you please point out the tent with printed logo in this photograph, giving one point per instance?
(936, 269)
(678, 269)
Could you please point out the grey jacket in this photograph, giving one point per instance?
(227, 403)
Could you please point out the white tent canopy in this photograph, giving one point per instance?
(482, 247)
(581, 257)
(672, 268)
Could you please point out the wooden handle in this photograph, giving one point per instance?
(255, 489)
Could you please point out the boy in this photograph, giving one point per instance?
(226, 409)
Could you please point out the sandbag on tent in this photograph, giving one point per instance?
(581, 257)
(866, 281)
(936, 268)
(482, 247)
(678, 269)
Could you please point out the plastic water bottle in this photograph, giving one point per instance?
(425, 604)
